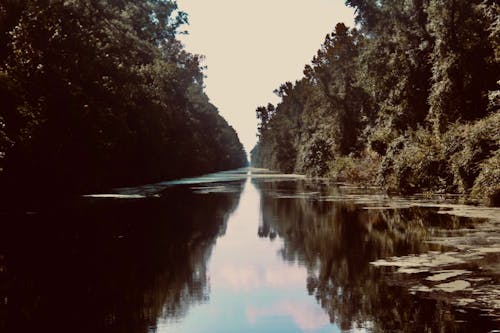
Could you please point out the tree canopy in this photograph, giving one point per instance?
(102, 93)
(387, 102)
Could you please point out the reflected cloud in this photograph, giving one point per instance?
(308, 317)
(250, 278)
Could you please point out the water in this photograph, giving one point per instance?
(248, 251)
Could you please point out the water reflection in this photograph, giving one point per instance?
(336, 241)
(252, 288)
(101, 265)
(227, 253)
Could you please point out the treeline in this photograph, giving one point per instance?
(409, 99)
(100, 93)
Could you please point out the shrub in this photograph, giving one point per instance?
(467, 146)
(356, 170)
(317, 155)
(380, 138)
(415, 162)
(486, 188)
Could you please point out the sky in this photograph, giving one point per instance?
(251, 47)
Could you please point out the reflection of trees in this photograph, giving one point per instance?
(337, 241)
(108, 265)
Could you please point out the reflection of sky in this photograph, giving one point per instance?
(251, 288)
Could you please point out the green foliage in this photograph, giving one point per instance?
(98, 94)
(468, 146)
(415, 161)
(316, 157)
(491, 14)
(452, 162)
(463, 65)
(356, 170)
(486, 188)
(380, 138)
(392, 66)
(319, 116)
(402, 100)
(333, 70)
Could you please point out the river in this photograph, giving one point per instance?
(250, 251)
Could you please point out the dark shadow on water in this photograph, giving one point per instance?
(336, 241)
(124, 265)
(108, 265)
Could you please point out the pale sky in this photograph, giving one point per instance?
(253, 46)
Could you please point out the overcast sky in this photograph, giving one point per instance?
(253, 46)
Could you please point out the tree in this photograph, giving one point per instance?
(334, 67)
(462, 62)
(98, 94)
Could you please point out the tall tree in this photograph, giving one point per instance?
(393, 64)
(334, 68)
(97, 93)
(462, 66)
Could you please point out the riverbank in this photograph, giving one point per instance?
(465, 161)
(412, 117)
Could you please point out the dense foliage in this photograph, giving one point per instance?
(101, 93)
(409, 99)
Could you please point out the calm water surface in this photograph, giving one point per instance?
(241, 251)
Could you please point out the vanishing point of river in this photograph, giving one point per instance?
(250, 251)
